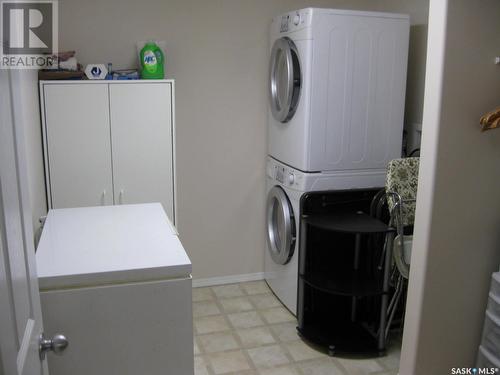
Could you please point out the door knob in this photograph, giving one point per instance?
(57, 345)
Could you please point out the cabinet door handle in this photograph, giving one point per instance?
(103, 198)
(120, 197)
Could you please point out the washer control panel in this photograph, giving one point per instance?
(285, 175)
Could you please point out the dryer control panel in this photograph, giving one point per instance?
(293, 21)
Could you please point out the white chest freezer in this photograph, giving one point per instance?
(116, 281)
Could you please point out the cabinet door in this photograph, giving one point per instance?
(141, 134)
(125, 329)
(78, 145)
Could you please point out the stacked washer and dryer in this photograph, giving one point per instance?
(337, 94)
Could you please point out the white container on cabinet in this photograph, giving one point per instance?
(491, 333)
(494, 304)
(487, 360)
(495, 284)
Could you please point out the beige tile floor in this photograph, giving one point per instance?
(244, 329)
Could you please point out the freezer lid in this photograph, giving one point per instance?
(94, 246)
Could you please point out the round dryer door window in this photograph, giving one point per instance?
(285, 79)
(280, 226)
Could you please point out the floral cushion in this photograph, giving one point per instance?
(402, 178)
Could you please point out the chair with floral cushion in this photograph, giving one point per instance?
(401, 193)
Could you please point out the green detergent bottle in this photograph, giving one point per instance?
(152, 60)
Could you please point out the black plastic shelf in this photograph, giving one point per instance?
(355, 284)
(341, 298)
(347, 222)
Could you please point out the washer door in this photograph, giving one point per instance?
(280, 226)
(285, 79)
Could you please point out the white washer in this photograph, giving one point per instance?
(285, 187)
(337, 89)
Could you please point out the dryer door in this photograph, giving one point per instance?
(285, 79)
(280, 226)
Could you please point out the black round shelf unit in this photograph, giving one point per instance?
(343, 273)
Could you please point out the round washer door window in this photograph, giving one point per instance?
(285, 79)
(280, 226)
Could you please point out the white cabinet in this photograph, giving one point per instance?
(141, 135)
(77, 133)
(109, 142)
(117, 282)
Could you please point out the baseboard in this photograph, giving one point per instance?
(211, 281)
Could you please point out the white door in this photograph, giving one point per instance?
(285, 79)
(281, 232)
(79, 146)
(20, 314)
(141, 134)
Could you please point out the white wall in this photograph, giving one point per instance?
(418, 11)
(457, 236)
(30, 119)
(217, 51)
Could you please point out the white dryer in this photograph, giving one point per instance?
(337, 89)
(285, 188)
